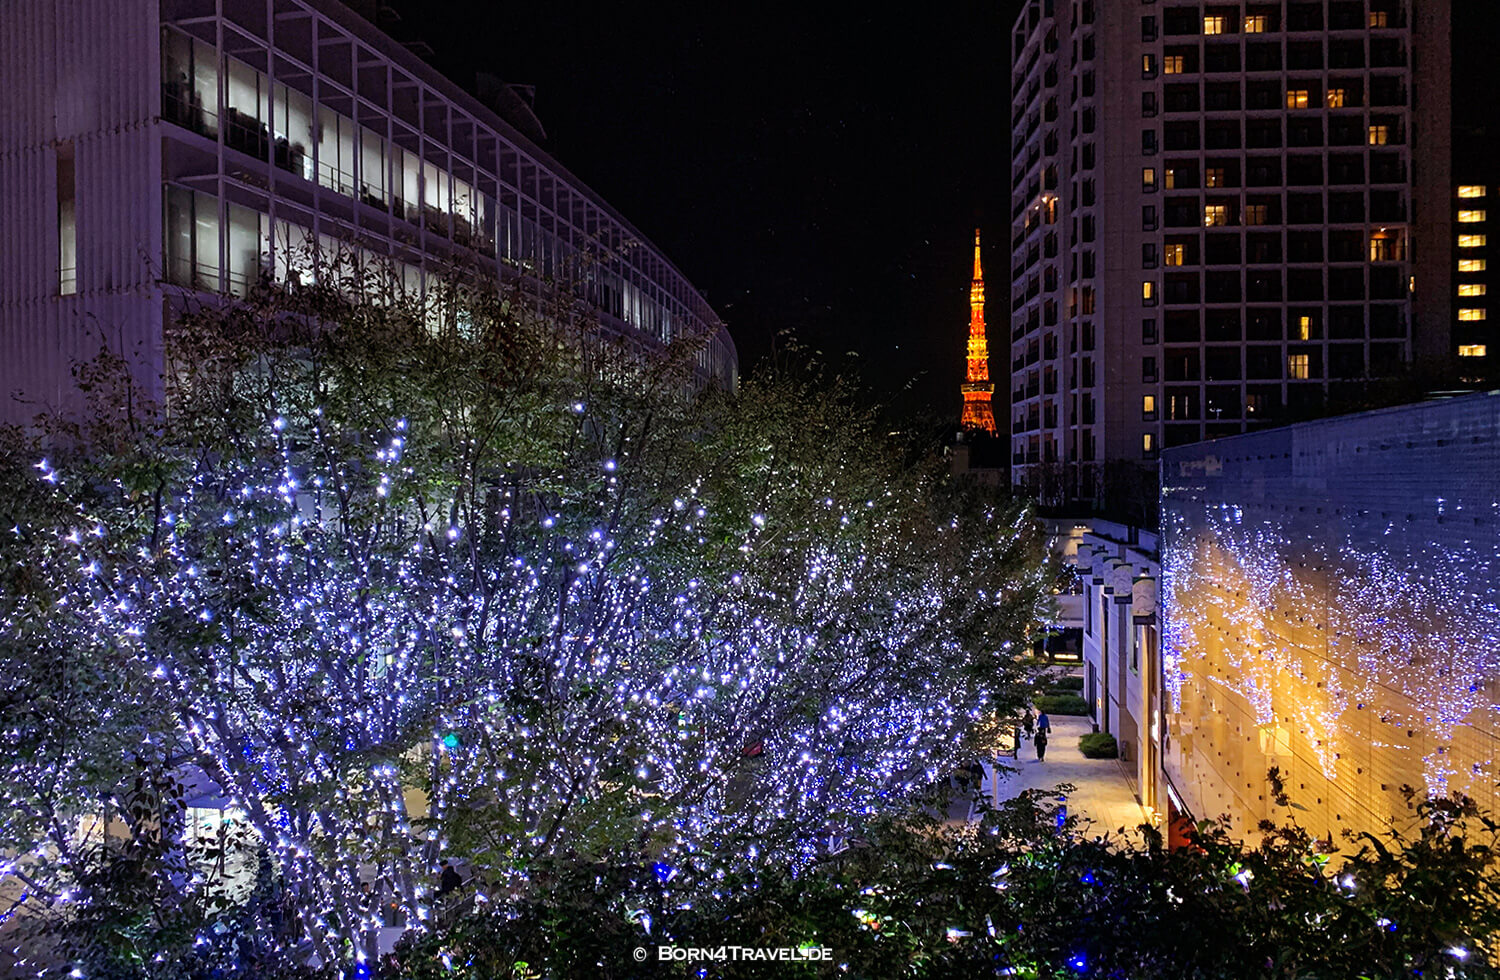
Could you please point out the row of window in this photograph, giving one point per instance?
(1267, 134)
(275, 122)
(1219, 173)
(1300, 209)
(254, 247)
(1221, 59)
(1234, 364)
(1264, 20)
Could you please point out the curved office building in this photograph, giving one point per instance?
(151, 145)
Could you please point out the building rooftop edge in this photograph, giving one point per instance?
(396, 51)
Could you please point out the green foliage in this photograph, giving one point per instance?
(1028, 892)
(657, 617)
(1098, 745)
(1065, 684)
(1062, 704)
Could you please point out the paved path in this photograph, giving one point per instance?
(1101, 792)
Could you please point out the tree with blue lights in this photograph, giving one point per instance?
(405, 579)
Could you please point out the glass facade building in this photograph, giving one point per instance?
(201, 145)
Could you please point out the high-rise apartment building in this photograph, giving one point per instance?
(1226, 216)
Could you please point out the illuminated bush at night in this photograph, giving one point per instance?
(484, 591)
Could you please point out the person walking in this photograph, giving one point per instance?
(1041, 744)
(450, 881)
(1028, 723)
(1043, 723)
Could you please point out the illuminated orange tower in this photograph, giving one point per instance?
(979, 393)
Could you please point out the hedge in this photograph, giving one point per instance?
(1066, 684)
(1098, 745)
(1062, 704)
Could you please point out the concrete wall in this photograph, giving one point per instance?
(79, 76)
(1329, 596)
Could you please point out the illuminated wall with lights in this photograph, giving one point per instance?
(1329, 607)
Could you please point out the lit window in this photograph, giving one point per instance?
(1379, 18)
(1471, 190)
(1472, 289)
(1256, 24)
(1215, 215)
(1213, 24)
(1383, 248)
(1172, 64)
(1471, 314)
(1148, 407)
(1174, 254)
(1296, 367)
(1472, 265)
(1296, 98)
(1252, 403)
(1336, 98)
(1148, 293)
(1148, 65)
(1170, 178)
(1472, 350)
(1148, 443)
(1472, 241)
(1304, 327)
(1213, 177)
(1470, 217)
(1380, 134)
(1148, 178)
(1256, 214)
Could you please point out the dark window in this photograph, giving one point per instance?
(1346, 361)
(1223, 326)
(1182, 327)
(1304, 17)
(1304, 285)
(1346, 208)
(1221, 364)
(1182, 288)
(1262, 57)
(1222, 134)
(1262, 247)
(1182, 365)
(1221, 57)
(1262, 362)
(1263, 172)
(1222, 287)
(1263, 285)
(1346, 284)
(1263, 325)
(1304, 246)
(1221, 96)
(1262, 133)
(1180, 97)
(1346, 246)
(1222, 249)
(1304, 55)
(1181, 135)
(1304, 171)
(1304, 209)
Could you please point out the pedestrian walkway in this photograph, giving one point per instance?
(1101, 793)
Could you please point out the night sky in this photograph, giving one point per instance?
(817, 169)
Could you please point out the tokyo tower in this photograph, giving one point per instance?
(979, 393)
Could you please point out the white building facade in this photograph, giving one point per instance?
(152, 148)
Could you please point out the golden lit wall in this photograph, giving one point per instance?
(1329, 608)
